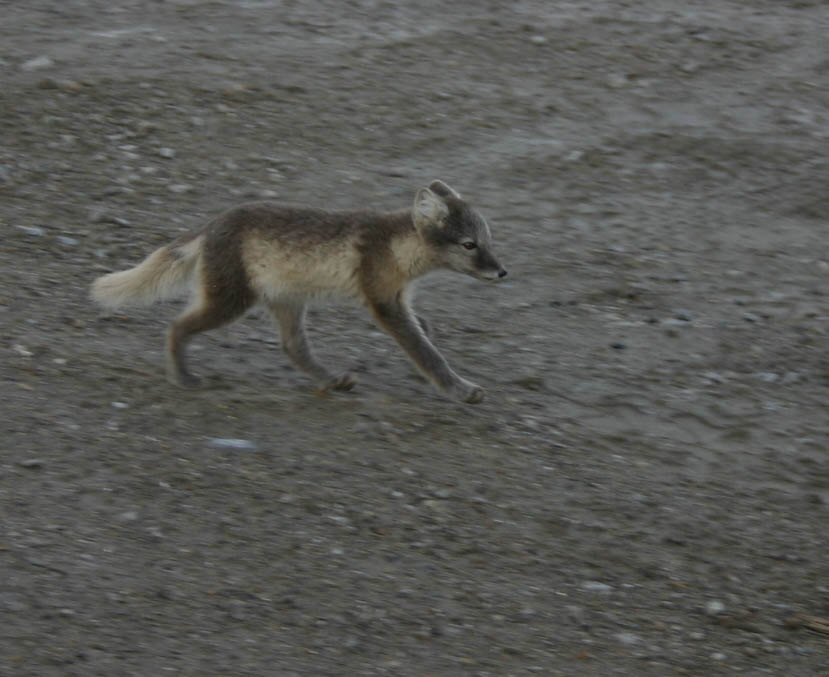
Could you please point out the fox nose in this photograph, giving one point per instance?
(502, 272)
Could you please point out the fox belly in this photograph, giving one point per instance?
(278, 270)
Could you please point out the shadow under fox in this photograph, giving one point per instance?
(283, 257)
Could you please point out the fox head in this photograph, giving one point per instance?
(457, 235)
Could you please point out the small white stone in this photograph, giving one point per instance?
(37, 231)
(714, 607)
(596, 586)
(230, 443)
(37, 63)
(617, 80)
(627, 638)
(179, 188)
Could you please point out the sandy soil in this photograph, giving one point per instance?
(644, 490)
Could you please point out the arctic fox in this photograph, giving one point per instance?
(284, 256)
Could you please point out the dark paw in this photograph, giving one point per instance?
(468, 392)
(343, 382)
(185, 380)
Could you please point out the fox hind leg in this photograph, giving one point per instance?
(291, 320)
(209, 313)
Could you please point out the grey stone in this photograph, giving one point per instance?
(232, 444)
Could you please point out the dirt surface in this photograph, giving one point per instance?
(643, 491)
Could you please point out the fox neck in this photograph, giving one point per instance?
(412, 255)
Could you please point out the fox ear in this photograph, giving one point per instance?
(440, 188)
(429, 209)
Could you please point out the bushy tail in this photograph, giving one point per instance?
(164, 274)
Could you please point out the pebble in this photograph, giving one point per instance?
(230, 443)
(31, 463)
(179, 188)
(438, 506)
(530, 381)
(100, 215)
(351, 643)
(576, 615)
(12, 602)
(714, 607)
(167, 153)
(36, 231)
(38, 63)
(66, 241)
(617, 80)
(627, 638)
(145, 127)
(596, 586)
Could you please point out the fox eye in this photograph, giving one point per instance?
(469, 245)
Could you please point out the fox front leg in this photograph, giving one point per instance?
(291, 320)
(425, 325)
(399, 321)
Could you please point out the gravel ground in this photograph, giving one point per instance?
(643, 491)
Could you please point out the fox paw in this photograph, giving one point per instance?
(343, 382)
(186, 380)
(468, 392)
